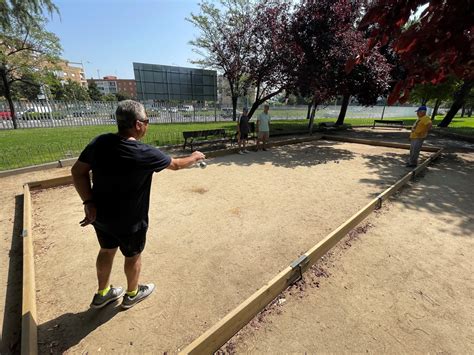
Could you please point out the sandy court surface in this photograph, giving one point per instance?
(216, 236)
(404, 284)
(11, 211)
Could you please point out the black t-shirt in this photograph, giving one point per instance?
(122, 171)
(244, 124)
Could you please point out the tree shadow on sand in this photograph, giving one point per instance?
(446, 188)
(60, 334)
(294, 155)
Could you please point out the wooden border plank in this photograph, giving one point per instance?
(29, 330)
(223, 330)
(376, 143)
(27, 169)
(45, 184)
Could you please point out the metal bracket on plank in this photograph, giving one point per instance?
(297, 267)
(24, 233)
(378, 205)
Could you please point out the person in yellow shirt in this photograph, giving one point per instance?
(419, 131)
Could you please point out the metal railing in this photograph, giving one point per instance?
(33, 114)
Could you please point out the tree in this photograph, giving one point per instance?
(369, 80)
(25, 50)
(324, 37)
(73, 91)
(224, 39)
(269, 53)
(436, 94)
(245, 40)
(121, 96)
(24, 12)
(94, 92)
(438, 45)
(26, 88)
(109, 97)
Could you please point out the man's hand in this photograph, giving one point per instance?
(90, 212)
(197, 155)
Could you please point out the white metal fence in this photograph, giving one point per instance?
(62, 114)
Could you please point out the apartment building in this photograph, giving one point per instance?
(72, 71)
(113, 85)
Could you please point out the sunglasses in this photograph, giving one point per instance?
(146, 121)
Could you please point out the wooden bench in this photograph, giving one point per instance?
(202, 136)
(388, 123)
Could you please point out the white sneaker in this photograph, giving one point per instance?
(143, 292)
(246, 151)
(240, 152)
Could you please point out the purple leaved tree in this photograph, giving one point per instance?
(439, 44)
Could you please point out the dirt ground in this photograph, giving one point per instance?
(218, 234)
(402, 282)
(11, 215)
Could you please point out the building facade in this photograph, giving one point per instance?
(67, 71)
(127, 86)
(113, 85)
(170, 83)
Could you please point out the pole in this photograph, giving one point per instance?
(47, 103)
(383, 111)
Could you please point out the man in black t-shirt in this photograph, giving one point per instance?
(117, 202)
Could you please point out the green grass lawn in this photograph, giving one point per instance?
(24, 147)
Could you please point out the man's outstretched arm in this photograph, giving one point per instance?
(181, 163)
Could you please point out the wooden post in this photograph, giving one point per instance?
(29, 323)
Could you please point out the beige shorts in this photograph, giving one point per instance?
(263, 136)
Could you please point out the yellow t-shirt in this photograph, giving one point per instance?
(421, 127)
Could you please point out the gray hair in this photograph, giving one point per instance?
(129, 111)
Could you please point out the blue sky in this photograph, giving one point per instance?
(109, 35)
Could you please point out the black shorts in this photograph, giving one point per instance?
(244, 135)
(130, 244)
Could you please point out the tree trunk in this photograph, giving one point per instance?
(463, 110)
(260, 101)
(342, 113)
(308, 114)
(234, 108)
(459, 98)
(435, 109)
(469, 112)
(311, 117)
(8, 96)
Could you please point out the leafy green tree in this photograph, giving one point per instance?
(73, 91)
(426, 94)
(94, 92)
(25, 52)
(55, 86)
(27, 88)
(123, 96)
(24, 12)
(109, 97)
